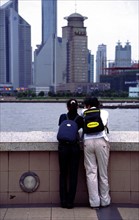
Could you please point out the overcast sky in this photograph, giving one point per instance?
(108, 21)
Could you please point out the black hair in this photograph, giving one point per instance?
(92, 102)
(72, 105)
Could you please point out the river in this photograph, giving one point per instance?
(44, 117)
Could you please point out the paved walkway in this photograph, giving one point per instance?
(114, 212)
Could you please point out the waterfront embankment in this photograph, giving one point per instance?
(30, 171)
(105, 103)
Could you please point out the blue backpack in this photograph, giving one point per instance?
(68, 131)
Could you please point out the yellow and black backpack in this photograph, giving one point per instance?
(92, 121)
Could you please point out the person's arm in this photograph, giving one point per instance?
(105, 116)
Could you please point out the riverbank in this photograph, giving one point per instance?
(105, 103)
(64, 99)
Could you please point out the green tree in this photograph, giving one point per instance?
(41, 93)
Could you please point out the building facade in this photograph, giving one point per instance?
(77, 53)
(123, 55)
(121, 78)
(101, 61)
(25, 54)
(80, 61)
(15, 47)
(50, 56)
(50, 65)
(91, 67)
(49, 19)
(121, 73)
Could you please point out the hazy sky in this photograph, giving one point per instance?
(108, 21)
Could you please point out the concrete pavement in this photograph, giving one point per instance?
(114, 212)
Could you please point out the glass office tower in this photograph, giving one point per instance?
(50, 56)
(15, 47)
(123, 55)
(101, 61)
(49, 19)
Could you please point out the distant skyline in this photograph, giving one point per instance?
(108, 22)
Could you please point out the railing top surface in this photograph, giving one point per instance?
(46, 141)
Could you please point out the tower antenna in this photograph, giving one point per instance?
(75, 6)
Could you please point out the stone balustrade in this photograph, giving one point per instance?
(37, 152)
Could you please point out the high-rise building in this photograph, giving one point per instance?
(77, 53)
(80, 61)
(50, 57)
(91, 67)
(15, 47)
(50, 65)
(123, 55)
(49, 19)
(15, 5)
(101, 61)
(25, 53)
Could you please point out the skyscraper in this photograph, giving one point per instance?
(101, 61)
(91, 67)
(15, 47)
(123, 55)
(49, 59)
(77, 52)
(15, 5)
(49, 19)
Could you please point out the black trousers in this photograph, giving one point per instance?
(69, 156)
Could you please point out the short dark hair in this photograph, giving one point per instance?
(92, 101)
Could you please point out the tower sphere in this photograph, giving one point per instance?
(75, 16)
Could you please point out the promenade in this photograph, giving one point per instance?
(113, 212)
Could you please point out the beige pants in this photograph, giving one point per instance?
(96, 157)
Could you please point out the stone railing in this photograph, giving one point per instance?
(26, 157)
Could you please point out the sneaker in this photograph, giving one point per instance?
(105, 206)
(96, 207)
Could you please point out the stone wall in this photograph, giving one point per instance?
(22, 152)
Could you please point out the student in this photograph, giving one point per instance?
(96, 155)
(69, 155)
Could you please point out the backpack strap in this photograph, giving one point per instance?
(91, 111)
(74, 118)
(107, 129)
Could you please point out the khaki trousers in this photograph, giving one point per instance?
(96, 158)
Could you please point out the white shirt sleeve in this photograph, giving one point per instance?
(84, 109)
(104, 116)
